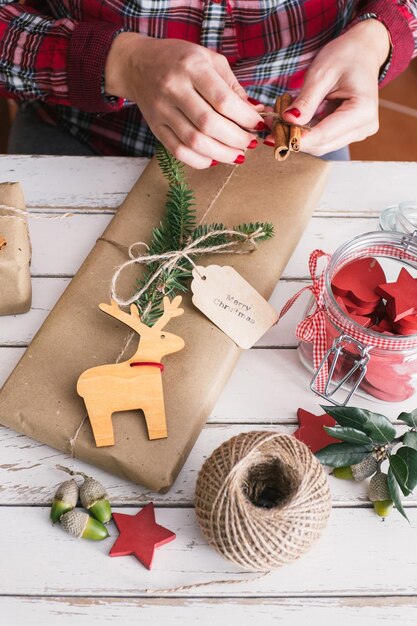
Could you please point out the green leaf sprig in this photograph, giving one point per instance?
(177, 229)
(367, 440)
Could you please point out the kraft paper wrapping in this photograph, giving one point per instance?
(39, 399)
(15, 283)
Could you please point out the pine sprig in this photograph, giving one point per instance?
(177, 229)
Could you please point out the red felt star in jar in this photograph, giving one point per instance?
(140, 535)
(311, 431)
(401, 295)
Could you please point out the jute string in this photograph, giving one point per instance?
(22, 214)
(261, 500)
(171, 258)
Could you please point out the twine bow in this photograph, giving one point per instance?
(312, 329)
(171, 258)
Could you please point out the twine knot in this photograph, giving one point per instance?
(170, 258)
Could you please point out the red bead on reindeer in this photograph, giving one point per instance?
(135, 383)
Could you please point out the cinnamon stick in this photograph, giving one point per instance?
(295, 138)
(3, 242)
(280, 130)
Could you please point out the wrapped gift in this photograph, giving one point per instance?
(15, 283)
(40, 400)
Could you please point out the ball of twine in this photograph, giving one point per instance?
(262, 500)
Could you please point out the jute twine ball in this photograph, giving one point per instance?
(262, 499)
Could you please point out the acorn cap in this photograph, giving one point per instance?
(65, 499)
(91, 491)
(367, 467)
(75, 522)
(378, 488)
(67, 492)
(80, 524)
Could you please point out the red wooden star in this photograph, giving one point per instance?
(140, 535)
(400, 295)
(311, 431)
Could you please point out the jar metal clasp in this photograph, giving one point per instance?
(338, 354)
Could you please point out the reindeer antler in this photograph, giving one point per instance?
(171, 309)
(131, 319)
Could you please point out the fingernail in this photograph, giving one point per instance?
(295, 112)
(253, 144)
(261, 126)
(253, 100)
(267, 142)
(239, 159)
(213, 163)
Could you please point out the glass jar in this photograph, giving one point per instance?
(344, 354)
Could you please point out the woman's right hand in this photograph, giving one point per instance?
(187, 94)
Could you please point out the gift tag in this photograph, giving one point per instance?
(231, 303)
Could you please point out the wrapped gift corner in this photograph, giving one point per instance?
(39, 399)
(15, 252)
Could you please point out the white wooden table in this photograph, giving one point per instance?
(362, 571)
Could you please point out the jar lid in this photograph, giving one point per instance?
(401, 218)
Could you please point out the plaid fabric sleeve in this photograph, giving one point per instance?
(400, 19)
(59, 61)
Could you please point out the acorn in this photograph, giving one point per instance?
(95, 499)
(367, 467)
(343, 472)
(65, 499)
(79, 524)
(379, 494)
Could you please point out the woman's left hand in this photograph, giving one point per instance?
(345, 75)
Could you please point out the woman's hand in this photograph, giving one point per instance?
(187, 94)
(345, 75)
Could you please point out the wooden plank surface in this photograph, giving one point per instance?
(91, 183)
(356, 555)
(369, 611)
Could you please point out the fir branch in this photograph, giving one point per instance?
(177, 229)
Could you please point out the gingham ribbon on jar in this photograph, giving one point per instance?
(313, 328)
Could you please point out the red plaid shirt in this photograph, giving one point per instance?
(53, 52)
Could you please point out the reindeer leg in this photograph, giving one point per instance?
(101, 425)
(156, 420)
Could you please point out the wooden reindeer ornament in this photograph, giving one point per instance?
(135, 383)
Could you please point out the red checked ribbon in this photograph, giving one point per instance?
(313, 328)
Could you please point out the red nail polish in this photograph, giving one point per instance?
(295, 112)
(267, 142)
(252, 144)
(261, 126)
(253, 100)
(239, 159)
(213, 163)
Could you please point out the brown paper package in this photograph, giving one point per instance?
(15, 283)
(39, 399)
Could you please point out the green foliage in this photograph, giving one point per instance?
(395, 494)
(178, 229)
(364, 432)
(409, 418)
(341, 454)
(376, 426)
(410, 439)
(350, 435)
